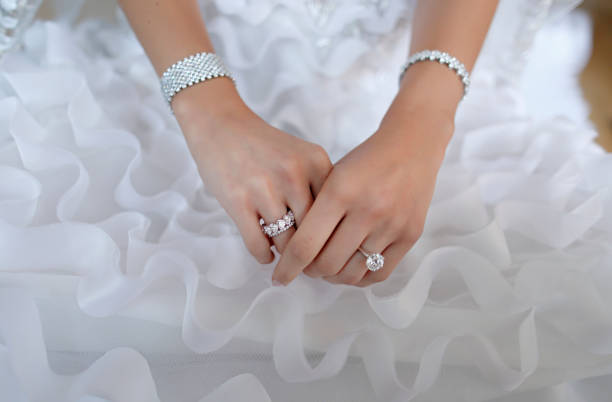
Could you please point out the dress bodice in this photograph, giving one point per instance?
(339, 60)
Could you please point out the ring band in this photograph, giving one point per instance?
(279, 226)
(374, 261)
(363, 252)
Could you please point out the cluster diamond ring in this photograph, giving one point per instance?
(374, 261)
(279, 226)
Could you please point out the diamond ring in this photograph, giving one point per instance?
(374, 261)
(279, 226)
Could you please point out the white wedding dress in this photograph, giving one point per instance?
(122, 278)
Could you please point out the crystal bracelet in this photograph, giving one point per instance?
(192, 70)
(441, 57)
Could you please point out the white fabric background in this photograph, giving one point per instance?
(122, 279)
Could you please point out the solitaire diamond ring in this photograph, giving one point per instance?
(279, 226)
(374, 261)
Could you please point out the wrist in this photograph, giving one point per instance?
(420, 133)
(431, 85)
(207, 105)
(417, 121)
(425, 106)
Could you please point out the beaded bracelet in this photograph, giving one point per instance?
(441, 57)
(192, 70)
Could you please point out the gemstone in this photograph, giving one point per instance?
(273, 228)
(281, 224)
(375, 261)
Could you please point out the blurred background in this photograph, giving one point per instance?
(596, 77)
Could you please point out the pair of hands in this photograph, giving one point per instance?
(376, 197)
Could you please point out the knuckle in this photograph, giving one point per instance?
(317, 273)
(377, 210)
(383, 275)
(299, 191)
(253, 245)
(310, 273)
(268, 258)
(321, 158)
(328, 270)
(321, 268)
(261, 184)
(291, 168)
(352, 280)
(317, 266)
(339, 194)
(314, 268)
(260, 253)
(413, 232)
(397, 227)
(362, 284)
(238, 197)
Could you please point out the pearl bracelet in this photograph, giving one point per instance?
(441, 57)
(192, 70)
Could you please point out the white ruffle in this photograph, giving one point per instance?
(110, 244)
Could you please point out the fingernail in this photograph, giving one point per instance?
(276, 283)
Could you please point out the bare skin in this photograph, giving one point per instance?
(257, 170)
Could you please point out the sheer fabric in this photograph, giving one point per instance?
(122, 278)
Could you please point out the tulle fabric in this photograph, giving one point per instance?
(122, 278)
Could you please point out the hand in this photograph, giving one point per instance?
(376, 197)
(253, 169)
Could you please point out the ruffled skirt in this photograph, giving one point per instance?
(122, 278)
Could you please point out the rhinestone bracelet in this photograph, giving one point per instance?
(191, 70)
(441, 57)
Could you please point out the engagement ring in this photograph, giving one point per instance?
(374, 261)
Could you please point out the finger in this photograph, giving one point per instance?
(271, 210)
(347, 237)
(356, 267)
(319, 173)
(316, 184)
(351, 272)
(253, 237)
(299, 202)
(309, 238)
(393, 256)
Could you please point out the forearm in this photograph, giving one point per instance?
(458, 27)
(170, 30)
